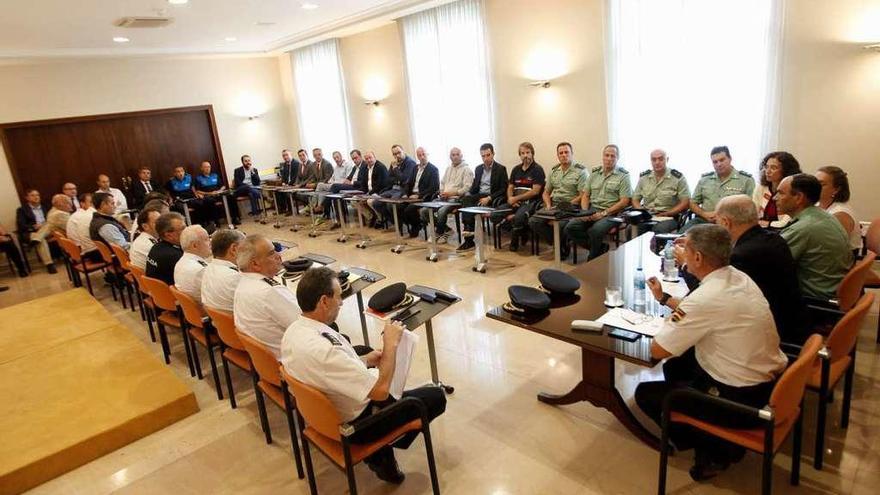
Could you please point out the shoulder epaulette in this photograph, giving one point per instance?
(579, 165)
(646, 172)
(233, 268)
(333, 340)
(554, 167)
(707, 174)
(675, 173)
(202, 263)
(596, 169)
(741, 172)
(270, 281)
(623, 170)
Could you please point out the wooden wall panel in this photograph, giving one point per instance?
(45, 154)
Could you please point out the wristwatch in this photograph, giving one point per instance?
(665, 298)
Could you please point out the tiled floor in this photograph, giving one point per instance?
(495, 437)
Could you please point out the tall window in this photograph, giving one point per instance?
(450, 96)
(320, 93)
(687, 75)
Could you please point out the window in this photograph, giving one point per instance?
(321, 103)
(447, 72)
(687, 75)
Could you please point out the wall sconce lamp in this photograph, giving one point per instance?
(374, 103)
(540, 84)
(253, 117)
(874, 48)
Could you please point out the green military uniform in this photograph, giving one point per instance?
(661, 195)
(605, 191)
(710, 189)
(566, 185)
(821, 249)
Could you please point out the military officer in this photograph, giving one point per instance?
(190, 267)
(263, 307)
(724, 181)
(566, 184)
(608, 191)
(662, 191)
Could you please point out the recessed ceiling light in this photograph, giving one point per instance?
(121, 39)
(177, 2)
(230, 38)
(309, 6)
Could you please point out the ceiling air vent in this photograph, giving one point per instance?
(143, 22)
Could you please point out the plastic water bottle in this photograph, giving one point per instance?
(639, 287)
(670, 271)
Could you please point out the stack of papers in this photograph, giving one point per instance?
(405, 350)
(628, 319)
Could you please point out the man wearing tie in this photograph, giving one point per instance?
(288, 170)
(143, 186)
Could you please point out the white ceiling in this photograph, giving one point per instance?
(53, 28)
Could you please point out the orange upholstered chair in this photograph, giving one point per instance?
(267, 380)
(200, 331)
(321, 425)
(124, 263)
(167, 313)
(780, 416)
(872, 243)
(232, 350)
(78, 265)
(848, 292)
(114, 268)
(146, 302)
(838, 360)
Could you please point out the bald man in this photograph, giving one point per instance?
(663, 191)
(69, 190)
(59, 214)
(118, 197)
(424, 185)
(457, 180)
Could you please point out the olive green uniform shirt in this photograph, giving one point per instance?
(605, 190)
(710, 189)
(821, 249)
(566, 185)
(664, 194)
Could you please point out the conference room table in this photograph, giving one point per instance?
(481, 259)
(599, 350)
(395, 204)
(433, 249)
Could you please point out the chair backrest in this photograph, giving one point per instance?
(122, 256)
(224, 323)
(74, 252)
(789, 390)
(159, 292)
(850, 287)
(263, 359)
(106, 254)
(315, 407)
(845, 333)
(138, 274)
(192, 310)
(58, 234)
(872, 237)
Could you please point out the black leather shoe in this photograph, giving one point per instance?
(386, 469)
(3, 288)
(514, 243)
(707, 471)
(467, 245)
(51, 268)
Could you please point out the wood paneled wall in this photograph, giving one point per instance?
(47, 153)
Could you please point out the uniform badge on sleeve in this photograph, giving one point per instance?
(333, 340)
(678, 315)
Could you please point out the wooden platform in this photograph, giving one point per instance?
(76, 384)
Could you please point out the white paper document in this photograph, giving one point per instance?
(628, 319)
(405, 351)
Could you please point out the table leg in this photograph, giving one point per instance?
(597, 387)
(479, 255)
(557, 246)
(340, 217)
(186, 214)
(432, 238)
(263, 215)
(294, 211)
(432, 359)
(365, 240)
(226, 210)
(360, 301)
(401, 244)
(314, 232)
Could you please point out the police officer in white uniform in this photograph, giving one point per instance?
(263, 307)
(189, 268)
(144, 237)
(221, 276)
(358, 386)
(736, 353)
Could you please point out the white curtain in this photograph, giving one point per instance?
(447, 69)
(321, 103)
(688, 75)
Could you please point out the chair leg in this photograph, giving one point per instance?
(261, 407)
(432, 465)
(767, 467)
(195, 355)
(310, 470)
(847, 392)
(150, 317)
(294, 431)
(130, 290)
(349, 468)
(163, 338)
(89, 283)
(140, 301)
(229, 388)
(664, 455)
(185, 335)
(821, 412)
(796, 448)
(214, 372)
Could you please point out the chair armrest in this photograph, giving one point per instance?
(820, 303)
(349, 429)
(728, 405)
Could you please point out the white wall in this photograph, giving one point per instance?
(236, 87)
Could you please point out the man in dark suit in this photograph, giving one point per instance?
(399, 174)
(30, 220)
(424, 184)
(371, 180)
(287, 172)
(303, 170)
(143, 186)
(246, 178)
(488, 189)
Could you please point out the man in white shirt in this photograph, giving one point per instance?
(145, 238)
(189, 268)
(728, 322)
(78, 228)
(457, 180)
(263, 307)
(316, 354)
(118, 196)
(341, 170)
(221, 276)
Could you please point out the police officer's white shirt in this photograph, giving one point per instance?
(319, 356)
(188, 275)
(264, 309)
(140, 248)
(219, 282)
(728, 322)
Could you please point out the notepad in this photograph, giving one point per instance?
(405, 351)
(628, 319)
